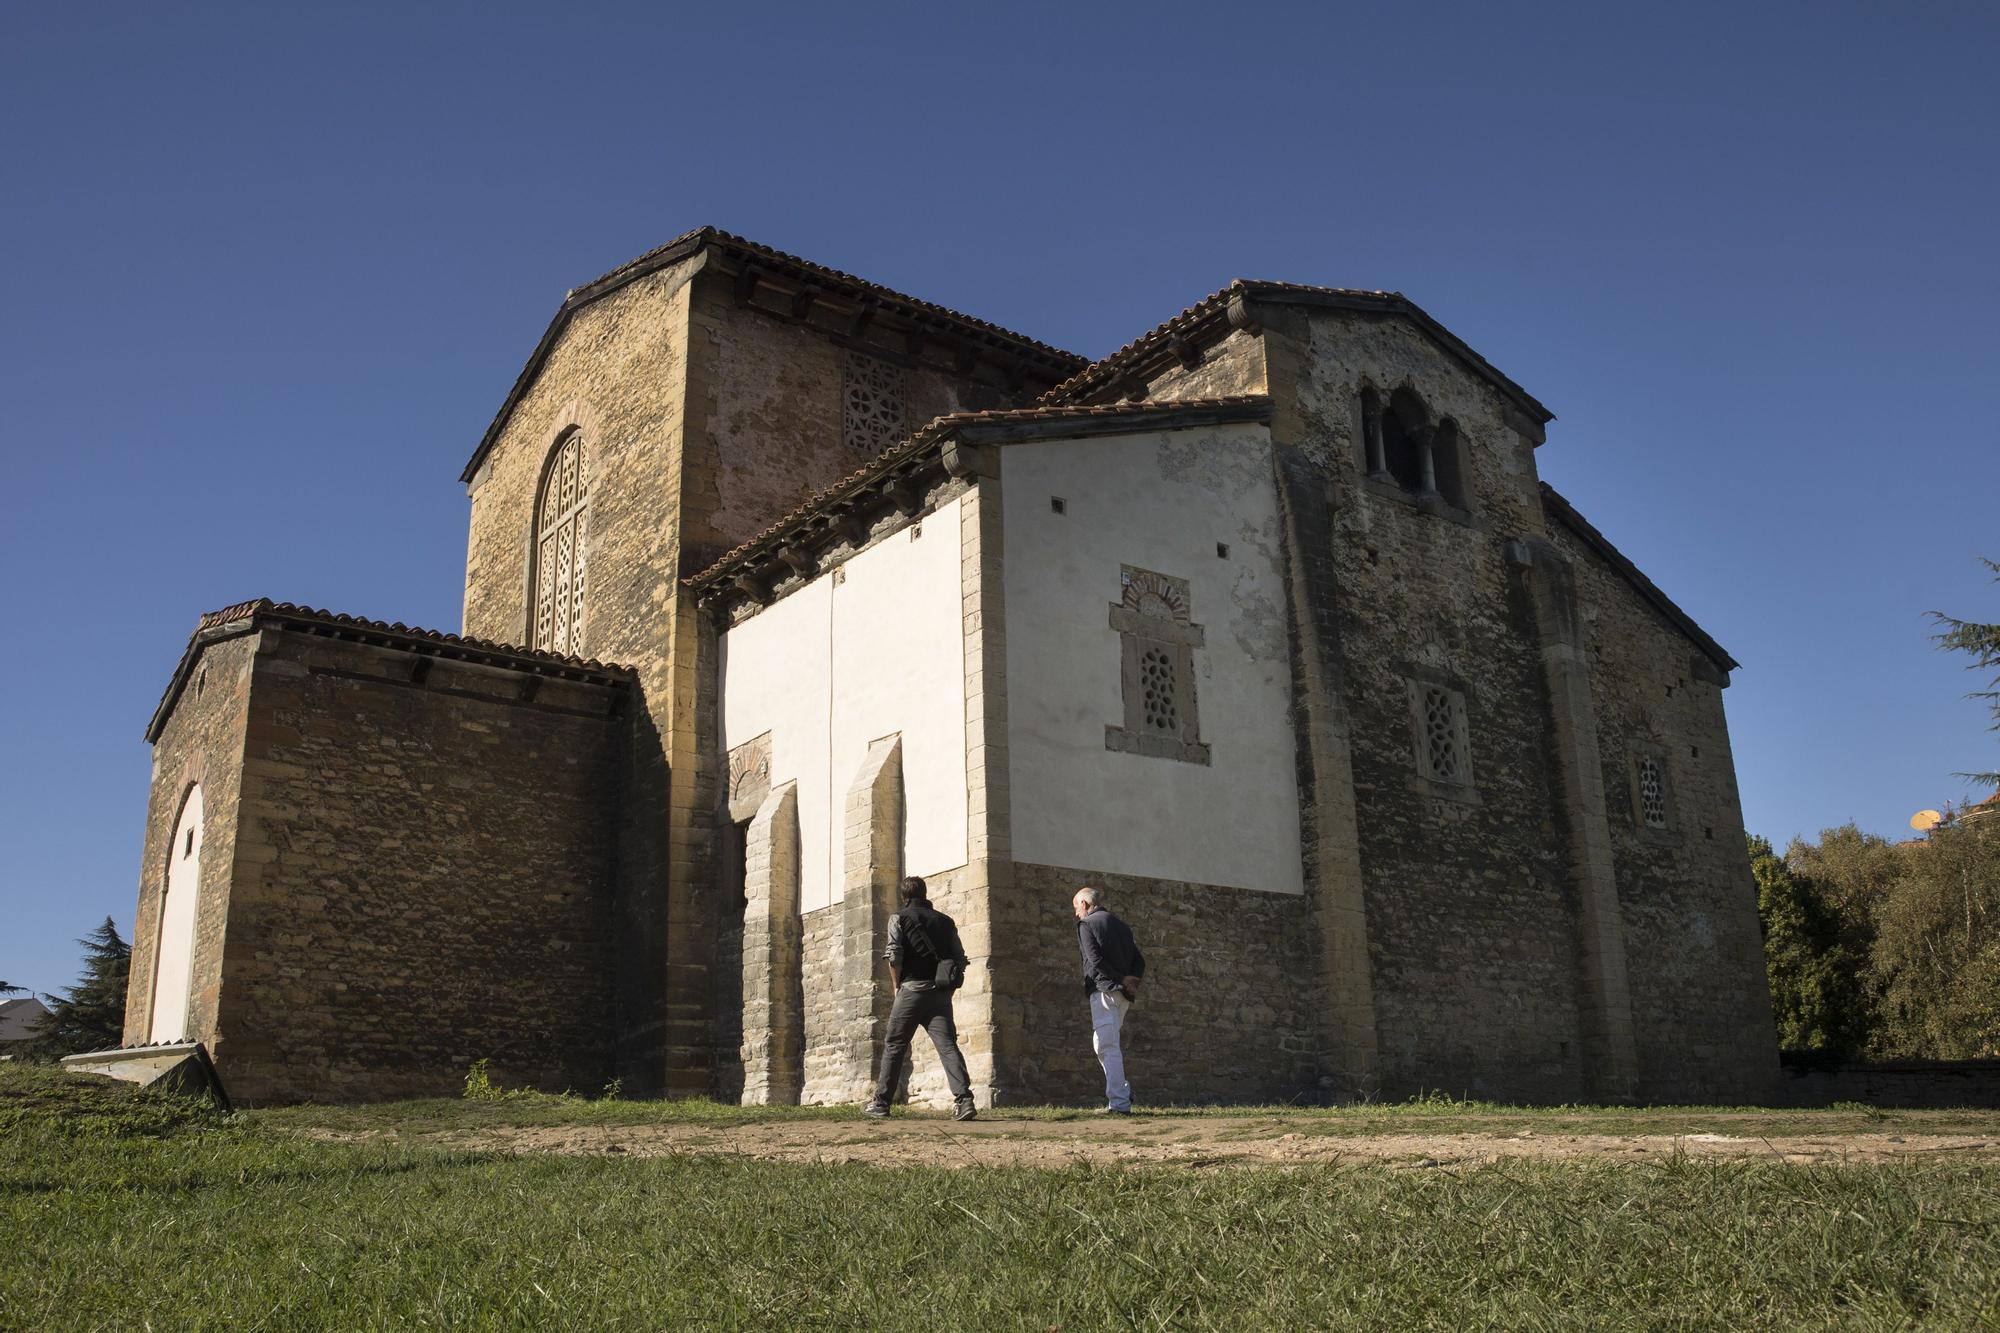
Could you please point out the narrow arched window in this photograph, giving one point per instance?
(560, 511)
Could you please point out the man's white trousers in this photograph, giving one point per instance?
(1107, 1020)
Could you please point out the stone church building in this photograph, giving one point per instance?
(781, 585)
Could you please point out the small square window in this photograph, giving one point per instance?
(1222, 550)
(1058, 505)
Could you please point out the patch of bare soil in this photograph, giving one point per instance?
(996, 1140)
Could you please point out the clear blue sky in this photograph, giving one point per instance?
(270, 269)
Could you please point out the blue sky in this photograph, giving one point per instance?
(270, 270)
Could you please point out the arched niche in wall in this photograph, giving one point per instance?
(173, 966)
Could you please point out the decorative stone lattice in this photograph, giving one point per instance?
(559, 550)
(1157, 639)
(1156, 671)
(873, 405)
(1442, 740)
(1652, 792)
(1441, 734)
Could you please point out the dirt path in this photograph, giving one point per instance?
(995, 1140)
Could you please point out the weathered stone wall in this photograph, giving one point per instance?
(1473, 931)
(826, 1034)
(1935, 1084)
(1225, 1014)
(1701, 1002)
(1235, 365)
(424, 876)
(618, 375)
(771, 413)
(202, 742)
(705, 418)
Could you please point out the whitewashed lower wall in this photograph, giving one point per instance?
(1161, 502)
(873, 648)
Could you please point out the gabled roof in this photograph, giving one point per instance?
(1565, 513)
(1211, 319)
(245, 617)
(1052, 361)
(1054, 422)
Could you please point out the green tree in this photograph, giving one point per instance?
(1982, 641)
(90, 1016)
(1936, 962)
(1818, 995)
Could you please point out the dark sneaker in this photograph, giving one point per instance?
(874, 1112)
(1114, 1110)
(965, 1110)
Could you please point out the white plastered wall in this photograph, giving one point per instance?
(1159, 501)
(873, 648)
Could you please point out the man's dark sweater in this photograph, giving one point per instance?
(1110, 954)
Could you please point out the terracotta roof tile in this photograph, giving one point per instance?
(498, 654)
(831, 276)
(293, 611)
(939, 428)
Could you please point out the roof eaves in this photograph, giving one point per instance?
(246, 617)
(1632, 574)
(1228, 308)
(993, 427)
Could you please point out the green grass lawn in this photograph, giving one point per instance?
(123, 1210)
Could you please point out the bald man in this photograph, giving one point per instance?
(1112, 967)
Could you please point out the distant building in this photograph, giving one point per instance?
(19, 1020)
(1404, 775)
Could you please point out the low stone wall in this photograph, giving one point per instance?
(1225, 1015)
(1908, 1084)
(423, 876)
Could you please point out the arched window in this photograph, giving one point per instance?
(560, 511)
(1404, 447)
(180, 896)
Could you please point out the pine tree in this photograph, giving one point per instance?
(90, 1016)
(1817, 995)
(1983, 643)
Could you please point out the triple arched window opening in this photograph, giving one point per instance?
(562, 508)
(1408, 447)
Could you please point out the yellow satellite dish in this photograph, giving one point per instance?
(1925, 820)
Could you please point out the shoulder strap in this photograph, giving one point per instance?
(920, 937)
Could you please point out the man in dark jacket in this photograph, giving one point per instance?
(1112, 967)
(926, 964)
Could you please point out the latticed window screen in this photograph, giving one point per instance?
(1156, 676)
(559, 550)
(1652, 792)
(1442, 719)
(872, 408)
